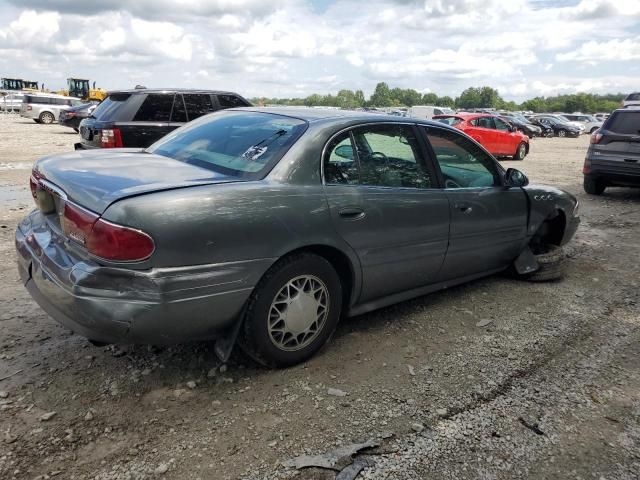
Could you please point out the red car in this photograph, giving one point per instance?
(493, 133)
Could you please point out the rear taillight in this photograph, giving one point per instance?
(595, 138)
(115, 242)
(105, 239)
(29, 108)
(110, 138)
(70, 114)
(586, 168)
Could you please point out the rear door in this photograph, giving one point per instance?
(488, 220)
(150, 122)
(482, 130)
(386, 204)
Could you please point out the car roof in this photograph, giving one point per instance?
(171, 90)
(317, 115)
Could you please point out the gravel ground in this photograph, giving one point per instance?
(549, 387)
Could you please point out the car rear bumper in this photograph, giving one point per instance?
(120, 305)
(616, 173)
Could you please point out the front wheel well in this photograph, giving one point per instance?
(550, 232)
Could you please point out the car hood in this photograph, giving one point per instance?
(96, 179)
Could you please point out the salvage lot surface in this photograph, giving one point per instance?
(549, 387)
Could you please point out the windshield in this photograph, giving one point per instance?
(242, 144)
(448, 120)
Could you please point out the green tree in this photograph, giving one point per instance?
(381, 96)
(430, 99)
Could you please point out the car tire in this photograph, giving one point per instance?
(593, 130)
(549, 134)
(521, 151)
(46, 118)
(562, 133)
(593, 186)
(551, 266)
(299, 282)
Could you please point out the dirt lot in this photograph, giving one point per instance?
(549, 388)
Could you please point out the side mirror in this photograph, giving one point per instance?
(515, 178)
(344, 151)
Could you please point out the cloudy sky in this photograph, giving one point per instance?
(297, 47)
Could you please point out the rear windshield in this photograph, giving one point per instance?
(108, 109)
(242, 144)
(449, 120)
(624, 123)
(633, 97)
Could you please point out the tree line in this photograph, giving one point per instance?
(473, 97)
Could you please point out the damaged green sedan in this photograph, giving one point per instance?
(264, 227)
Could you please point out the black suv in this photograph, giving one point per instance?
(137, 118)
(613, 157)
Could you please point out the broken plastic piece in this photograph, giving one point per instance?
(336, 459)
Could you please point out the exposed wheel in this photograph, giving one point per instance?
(521, 151)
(593, 186)
(292, 312)
(562, 133)
(549, 134)
(593, 130)
(551, 265)
(46, 118)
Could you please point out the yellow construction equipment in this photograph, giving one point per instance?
(79, 87)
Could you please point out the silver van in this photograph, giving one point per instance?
(45, 108)
(10, 102)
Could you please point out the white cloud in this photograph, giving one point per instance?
(286, 47)
(594, 52)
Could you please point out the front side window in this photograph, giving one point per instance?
(377, 155)
(155, 108)
(231, 101)
(501, 125)
(242, 144)
(463, 163)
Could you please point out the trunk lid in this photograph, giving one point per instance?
(96, 179)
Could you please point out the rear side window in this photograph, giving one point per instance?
(155, 108)
(110, 106)
(624, 123)
(179, 113)
(198, 104)
(230, 101)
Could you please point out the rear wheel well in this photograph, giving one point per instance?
(340, 263)
(550, 232)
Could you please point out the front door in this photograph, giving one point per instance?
(488, 220)
(384, 204)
